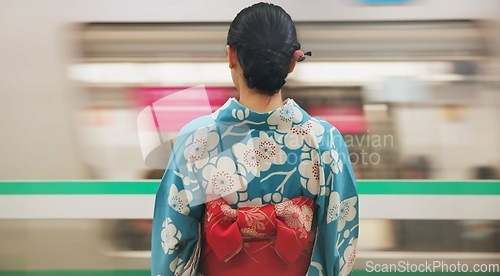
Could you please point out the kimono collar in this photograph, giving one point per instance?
(234, 113)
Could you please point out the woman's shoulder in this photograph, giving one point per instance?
(332, 137)
(328, 128)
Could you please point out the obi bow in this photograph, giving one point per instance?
(288, 223)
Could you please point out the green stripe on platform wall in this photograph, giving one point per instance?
(90, 187)
(430, 187)
(145, 187)
(147, 273)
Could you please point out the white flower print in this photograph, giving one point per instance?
(170, 236)
(333, 207)
(294, 217)
(198, 149)
(308, 213)
(348, 259)
(221, 179)
(179, 201)
(268, 151)
(343, 211)
(258, 154)
(332, 161)
(247, 157)
(347, 212)
(286, 115)
(310, 132)
(222, 182)
(311, 173)
(250, 157)
(240, 114)
(200, 144)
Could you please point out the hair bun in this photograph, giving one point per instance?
(264, 38)
(265, 69)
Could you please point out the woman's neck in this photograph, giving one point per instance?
(259, 102)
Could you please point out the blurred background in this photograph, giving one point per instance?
(414, 86)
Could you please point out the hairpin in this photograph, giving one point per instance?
(299, 56)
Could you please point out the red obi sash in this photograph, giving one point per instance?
(268, 238)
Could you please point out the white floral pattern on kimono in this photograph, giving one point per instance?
(258, 154)
(252, 158)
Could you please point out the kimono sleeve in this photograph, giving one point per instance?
(175, 241)
(337, 211)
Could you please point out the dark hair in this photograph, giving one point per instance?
(264, 38)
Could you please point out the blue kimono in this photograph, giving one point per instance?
(251, 158)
